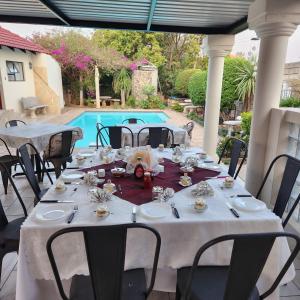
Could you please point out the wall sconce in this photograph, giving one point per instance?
(30, 65)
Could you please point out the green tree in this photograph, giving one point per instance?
(122, 84)
(197, 87)
(182, 81)
(132, 44)
(197, 83)
(246, 80)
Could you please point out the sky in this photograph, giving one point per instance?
(243, 42)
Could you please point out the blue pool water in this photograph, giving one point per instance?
(87, 121)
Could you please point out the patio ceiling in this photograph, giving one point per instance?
(186, 16)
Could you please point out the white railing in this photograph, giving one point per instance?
(293, 149)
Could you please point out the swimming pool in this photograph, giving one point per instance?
(87, 121)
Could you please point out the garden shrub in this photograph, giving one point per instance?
(177, 107)
(290, 102)
(152, 103)
(246, 122)
(196, 117)
(197, 83)
(131, 102)
(197, 87)
(182, 81)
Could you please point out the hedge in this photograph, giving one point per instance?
(197, 87)
(197, 83)
(182, 81)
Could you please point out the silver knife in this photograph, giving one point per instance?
(134, 214)
(56, 201)
(233, 211)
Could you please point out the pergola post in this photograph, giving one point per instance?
(97, 88)
(274, 21)
(216, 47)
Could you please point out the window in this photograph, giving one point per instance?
(15, 71)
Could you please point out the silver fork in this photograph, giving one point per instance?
(71, 216)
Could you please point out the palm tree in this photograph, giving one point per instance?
(122, 84)
(246, 84)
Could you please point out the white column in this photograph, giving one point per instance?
(272, 54)
(216, 47)
(97, 87)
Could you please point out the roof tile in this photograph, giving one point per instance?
(10, 39)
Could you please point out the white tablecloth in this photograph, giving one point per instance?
(180, 135)
(181, 238)
(37, 134)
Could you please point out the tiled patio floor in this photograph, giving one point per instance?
(13, 210)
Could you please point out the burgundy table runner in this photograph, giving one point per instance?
(133, 190)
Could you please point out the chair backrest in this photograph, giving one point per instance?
(26, 154)
(105, 249)
(239, 150)
(61, 144)
(157, 135)
(133, 121)
(290, 174)
(247, 262)
(14, 123)
(112, 135)
(189, 128)
(5, 145)
(3, 219)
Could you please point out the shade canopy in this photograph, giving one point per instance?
(186, 16)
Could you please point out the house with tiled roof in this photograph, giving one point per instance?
(28, 70)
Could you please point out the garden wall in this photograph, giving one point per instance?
(145, 75)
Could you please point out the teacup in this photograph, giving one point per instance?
(203, 155)
(161, 147)
(228, 182)
(185, 180)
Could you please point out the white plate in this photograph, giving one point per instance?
(50, 213)
(248, 204)
(155, 210)
(68, 177)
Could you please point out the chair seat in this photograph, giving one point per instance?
(11, 232)
(208, 283)
(9, 160)
(133, 286)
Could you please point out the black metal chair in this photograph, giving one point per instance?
(114, 134)
(14, 123)
(239, 149)
(189, 128)
(290, 174)
(9, 161)
(10, 231)
(157, 135)
(133, 121)
(238, 280)
(105, 249)
(60, 150)
(27, 153)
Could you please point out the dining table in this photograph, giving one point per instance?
(180, 134)
(37, 134)
(181, 237)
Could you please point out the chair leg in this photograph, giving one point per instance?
(2, 254)
(178, 294)
(5, 181)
